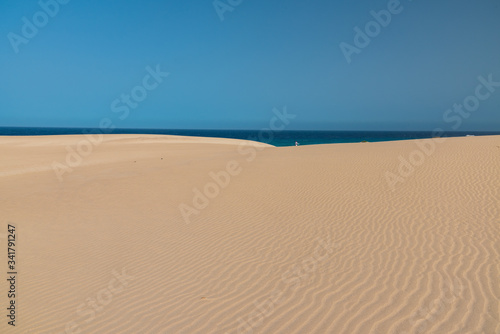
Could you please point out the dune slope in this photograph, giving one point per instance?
(165, 234)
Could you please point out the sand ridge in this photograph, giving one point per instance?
(307, 239)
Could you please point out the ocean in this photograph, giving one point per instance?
(276, 138)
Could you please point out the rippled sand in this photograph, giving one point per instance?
(165, 234)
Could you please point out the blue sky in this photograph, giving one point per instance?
(231, 73)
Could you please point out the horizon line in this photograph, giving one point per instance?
(257, 129)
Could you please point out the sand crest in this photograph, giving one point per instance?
(168, 234)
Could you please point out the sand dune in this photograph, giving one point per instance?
(166, 234)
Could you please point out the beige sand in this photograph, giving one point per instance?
(309, 239)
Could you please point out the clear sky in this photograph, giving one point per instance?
(79, 64)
